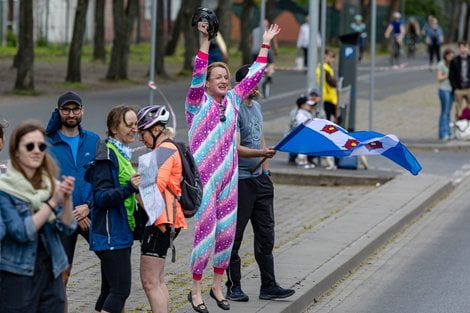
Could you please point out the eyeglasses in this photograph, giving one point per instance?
(222, 116)
(75, 110)
(30, 146)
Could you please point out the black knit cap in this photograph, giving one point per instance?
(69, 97)
(242, 72)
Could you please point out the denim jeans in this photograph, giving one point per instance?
(447, 98)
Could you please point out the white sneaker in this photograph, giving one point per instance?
(307, 165)
(331, 167)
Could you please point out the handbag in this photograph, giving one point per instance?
(462, 129)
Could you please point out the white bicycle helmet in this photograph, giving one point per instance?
(151, 115)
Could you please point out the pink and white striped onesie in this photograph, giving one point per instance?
(213, 144)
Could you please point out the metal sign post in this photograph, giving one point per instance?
(312, 45)
(152, 51)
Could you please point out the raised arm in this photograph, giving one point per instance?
(196, 91)
(251, 80)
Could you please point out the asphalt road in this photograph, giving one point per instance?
(287, 86)
(423, 270)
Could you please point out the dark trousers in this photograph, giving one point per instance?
(40, 293)
(330, 110)
(305, 56)
(255, 203)
(115, 279)
(434, 49)
(69, 242)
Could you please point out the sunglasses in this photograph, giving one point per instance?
(66, 111)
(30, 146)
(222, 116)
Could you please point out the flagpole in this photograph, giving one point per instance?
(252, 170)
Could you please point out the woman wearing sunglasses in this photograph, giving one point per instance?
(211, 113)
(36, 209)
(115, 184)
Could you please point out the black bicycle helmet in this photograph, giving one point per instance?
(206, 15)
(151, 115)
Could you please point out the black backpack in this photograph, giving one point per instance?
(191, 185)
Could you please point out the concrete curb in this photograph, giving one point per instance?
(358, 251)
(290, 177)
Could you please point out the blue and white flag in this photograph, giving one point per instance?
(320, 137)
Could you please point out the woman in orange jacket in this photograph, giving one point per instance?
(151, 122)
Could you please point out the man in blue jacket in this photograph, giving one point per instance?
(73, 148)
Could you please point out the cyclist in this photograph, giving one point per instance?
(412, 36)
(395, 31)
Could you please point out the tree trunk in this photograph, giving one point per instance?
(99, 50)
(245, 31)
(271, 6)
(124, 19)
(191, 35)
(365, 9)
(223, 14)
(25, 54)
(75, 52)
(175, 33)
(160, 41)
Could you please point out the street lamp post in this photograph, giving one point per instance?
(312, 44)
(373, 25)
(152, 51)
(322, 50)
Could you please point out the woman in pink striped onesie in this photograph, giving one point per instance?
(211, 114)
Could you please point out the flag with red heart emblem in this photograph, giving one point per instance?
(319, 137)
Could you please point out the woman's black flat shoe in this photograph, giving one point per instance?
(223, 304)
(201, 308)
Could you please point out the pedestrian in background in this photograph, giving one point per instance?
(330, 94)
(358, 26)
(412, 36)
(36, 209)
(303, 39)
(211, 114)
(459, 77)
(218, 50)
(445, 95)
(434, 37)
(3, 126)
(73, 149)
(255, 201)
(115, 184)
(396, 32)
(303, 114)
(158, 237)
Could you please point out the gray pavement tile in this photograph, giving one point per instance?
(312, 204)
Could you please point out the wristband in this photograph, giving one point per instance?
(268, 172)
(265, 46)
(50, 206)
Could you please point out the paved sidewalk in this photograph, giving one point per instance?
(327, 222)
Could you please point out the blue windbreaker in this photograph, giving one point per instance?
(61, 151)
(109, 225)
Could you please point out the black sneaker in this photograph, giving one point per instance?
(275, 292)
(236, 293)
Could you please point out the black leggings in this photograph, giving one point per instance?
(115, 279)
(434, 49)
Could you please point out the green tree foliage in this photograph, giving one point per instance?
(423, 8)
